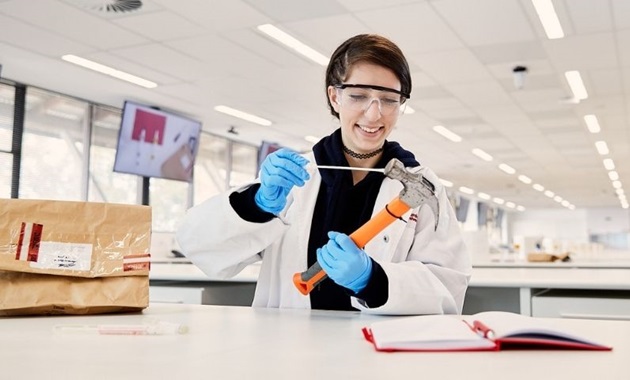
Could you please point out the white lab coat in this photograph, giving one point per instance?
(428, 271)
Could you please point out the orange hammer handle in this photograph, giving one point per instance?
(306, 281)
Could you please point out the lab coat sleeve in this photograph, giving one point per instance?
(219, 242)
(430, 273)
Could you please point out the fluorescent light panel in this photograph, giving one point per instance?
(446, 183)
(108, 71)
(613, 175)
(447, 133)
(525, 179)
(294, 44)
(577, 86)
(482, 154)
(548, 18)
(466, 190)
(507, 168)
(538, 187)
(609, 164)
(592, 123)
(242, 115)
(483, 196)
(602, 147)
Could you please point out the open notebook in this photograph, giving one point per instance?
(487, 331)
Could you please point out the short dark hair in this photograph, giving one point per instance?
(369, 48)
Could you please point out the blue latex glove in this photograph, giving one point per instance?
(279, 172)
(344, 262)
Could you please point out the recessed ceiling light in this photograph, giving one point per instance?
(108, 71)
(243, 115)
(609, 164)
(507, 168)
(538, 187)
(482, 154)
(577, 86)
(525, 179)
(613, 175)
(293, 43)
(446, 182)
(466, 190)
(447, 133)
(602, 147)
(592, 123)
(483, 196)
(548, 18)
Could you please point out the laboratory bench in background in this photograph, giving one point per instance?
(555, 290)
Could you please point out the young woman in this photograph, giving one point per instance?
(297, 215)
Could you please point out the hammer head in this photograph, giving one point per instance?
(417, 190)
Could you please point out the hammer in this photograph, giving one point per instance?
(417, 191)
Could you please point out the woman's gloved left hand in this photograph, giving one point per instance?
(344, 262)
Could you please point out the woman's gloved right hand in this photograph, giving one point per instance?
(279, 172)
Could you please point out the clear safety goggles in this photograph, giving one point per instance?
(359, 97)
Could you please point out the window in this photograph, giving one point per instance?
(52, 146)
(105, 185)
(68, 153)
(7, 95)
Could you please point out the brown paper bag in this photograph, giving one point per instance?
(62, 257)
(27, 294)
(79, 239)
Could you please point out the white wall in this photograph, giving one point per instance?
(561, 224)
(609, 220)
(573, 225)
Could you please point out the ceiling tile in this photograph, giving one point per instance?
(500, 21)
(416, 28)
(160, 25)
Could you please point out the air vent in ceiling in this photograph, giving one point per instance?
(116, 6)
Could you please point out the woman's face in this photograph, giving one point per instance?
(365, 125)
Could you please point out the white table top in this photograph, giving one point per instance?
(182, 271)
(532, 277)
(246, 343)
(556, 278)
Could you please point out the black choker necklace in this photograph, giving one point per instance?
(361, 156)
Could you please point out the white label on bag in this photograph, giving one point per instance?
(57, 255)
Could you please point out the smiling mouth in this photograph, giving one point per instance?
(369, 130)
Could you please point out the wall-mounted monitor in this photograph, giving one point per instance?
(156, 143)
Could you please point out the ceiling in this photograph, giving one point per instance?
(204, 53)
